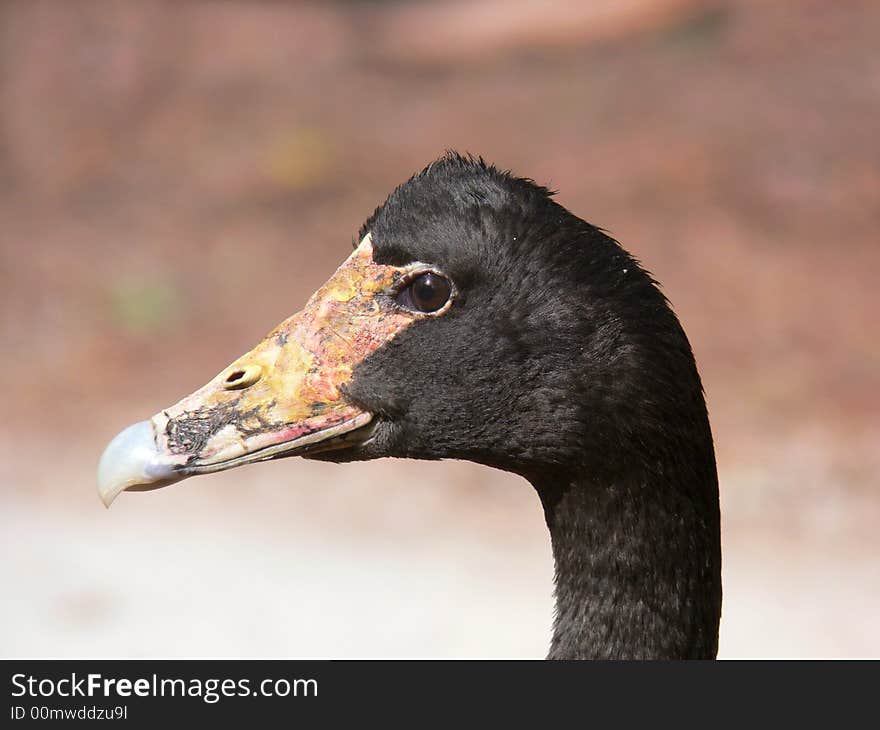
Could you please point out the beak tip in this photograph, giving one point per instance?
(131, 460)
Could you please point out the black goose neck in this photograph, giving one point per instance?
(637, 563)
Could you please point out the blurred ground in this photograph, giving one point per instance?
(177, 177)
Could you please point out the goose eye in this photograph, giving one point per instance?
(426, 293)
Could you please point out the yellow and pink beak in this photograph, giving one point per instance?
(282, 398)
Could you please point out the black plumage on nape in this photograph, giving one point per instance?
(563, 362)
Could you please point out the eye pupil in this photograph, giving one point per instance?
(429, 292)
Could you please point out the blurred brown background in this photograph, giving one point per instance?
(177, 177)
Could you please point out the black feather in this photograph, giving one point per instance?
(561, 361)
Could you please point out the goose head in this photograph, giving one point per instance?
(478, 319)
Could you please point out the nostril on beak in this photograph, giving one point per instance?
(243, 377)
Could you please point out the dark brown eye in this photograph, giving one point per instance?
(426, 293)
